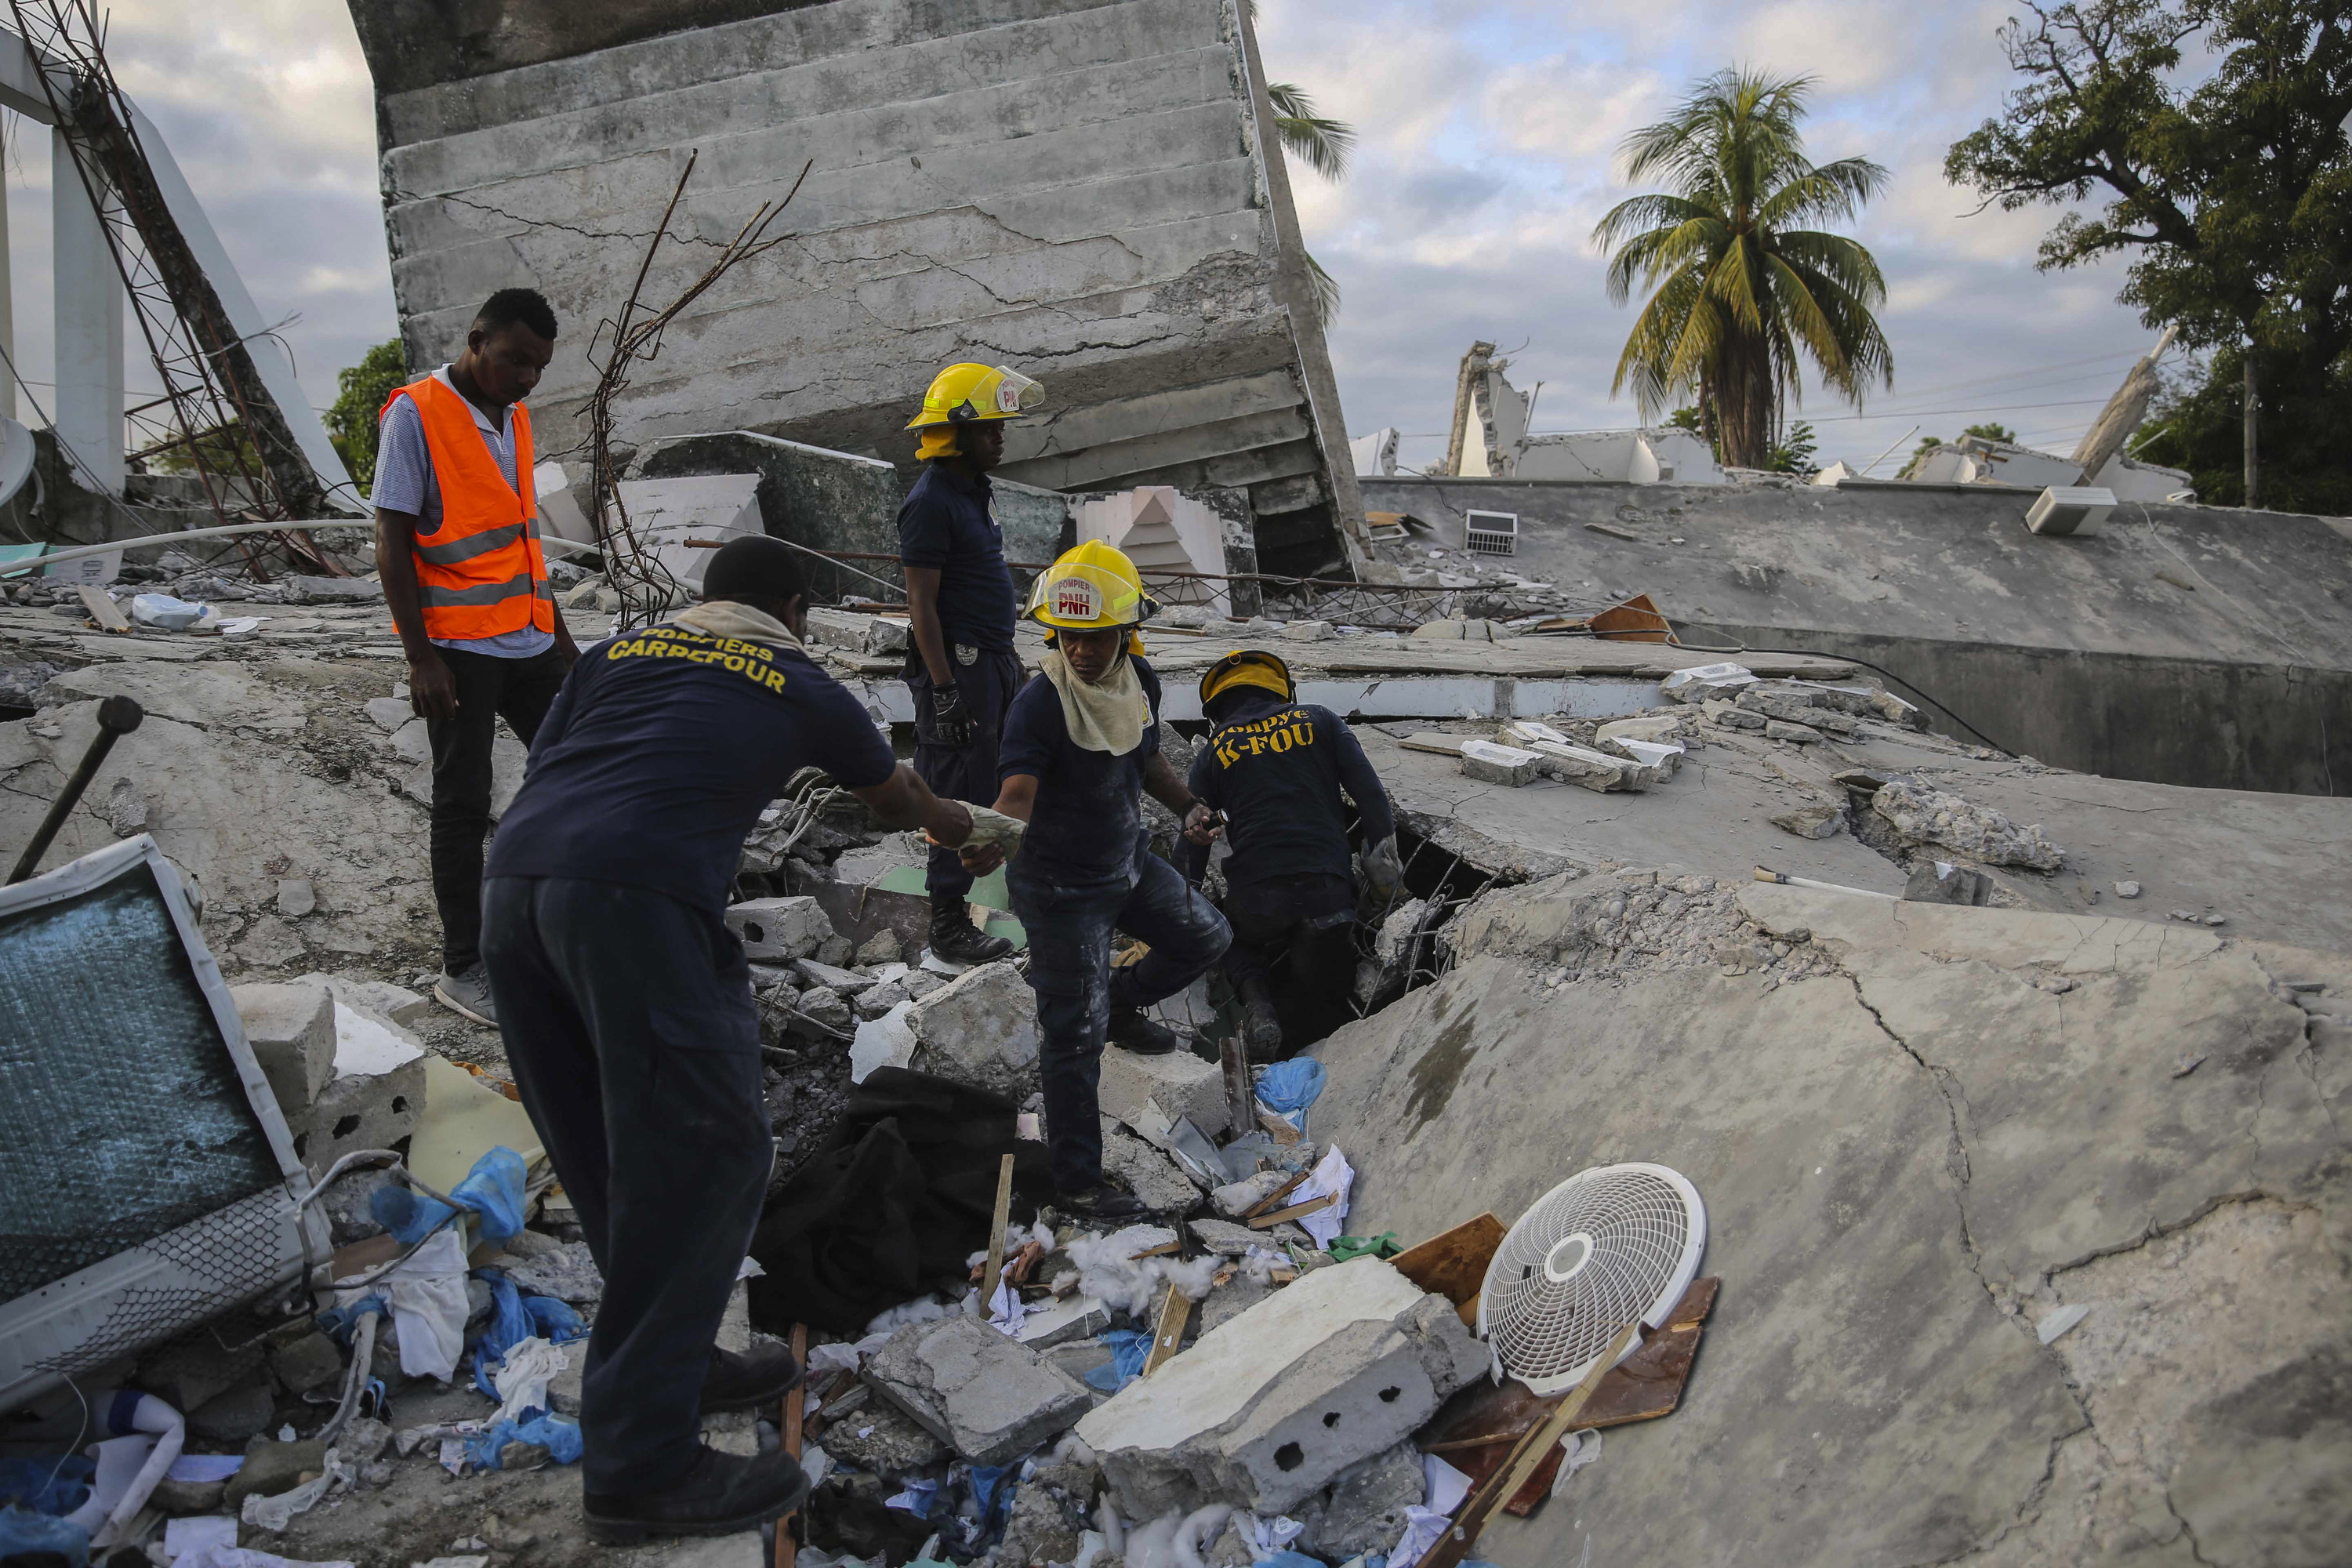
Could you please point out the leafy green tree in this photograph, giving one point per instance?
(2232, 195)
(1739, 293)
(360, 391)
(1991, 432)
(2199, 424)
(1794, 453)
(1323, 145)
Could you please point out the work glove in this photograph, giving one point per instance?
(952, 724)
(1382, 870)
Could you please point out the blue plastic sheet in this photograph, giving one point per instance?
(1289, 1088)
(1295, 1560)
(559, 1436)
(492, 1189)
(515, 1317)
(1128, 1349)
(48, 1484)
(25, 1533)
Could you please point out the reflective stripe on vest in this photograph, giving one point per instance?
(481, 573)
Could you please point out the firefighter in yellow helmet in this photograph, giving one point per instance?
(1081, 747)
(961, 666)
(1282, 773)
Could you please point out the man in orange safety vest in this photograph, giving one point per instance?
(458, 551)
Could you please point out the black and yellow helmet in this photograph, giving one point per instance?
(1247, 667)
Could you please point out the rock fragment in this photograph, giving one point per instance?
(990, 1398)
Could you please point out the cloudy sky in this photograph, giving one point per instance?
(1489, 131)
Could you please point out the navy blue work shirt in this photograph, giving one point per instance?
(946, 522)
(1277, 768)
(1090, 812)
(655, 761)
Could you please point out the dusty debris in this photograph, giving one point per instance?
(988, 1397)
(1926, 814)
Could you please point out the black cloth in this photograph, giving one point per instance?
(966, 773)
(1276, 769)
(1296, 936)
(662, 750)
(521, 691)
(1089, 810)
(628, 1021)
(1069, 928)
(948, 522)
(891, 1206)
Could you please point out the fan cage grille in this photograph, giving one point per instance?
(1640, 1223)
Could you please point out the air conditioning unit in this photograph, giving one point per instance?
(1491, 533)
(2071, 510)
(147, 1180)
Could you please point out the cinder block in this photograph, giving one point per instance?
(375, 1098)
(777, 931)
(1151, 1093)
(980, 1028)
(291, 1029)
(990, 1398)
(1491, 764)
(1268, 1408)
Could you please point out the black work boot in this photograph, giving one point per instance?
(1131, 1031)
(722, 1494)
(748, 1382)
(1261, 1030)
(955, 939)
(1103, 1200)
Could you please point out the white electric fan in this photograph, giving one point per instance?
(1603, 1248)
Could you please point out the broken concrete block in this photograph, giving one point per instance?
(1156, 1180)
(1444, 631)
(2127, 889)
(823, 1014)
(1498, 764)
(1658, 759)
(980, 1028)
(1780, 699)
(1151, 1093)
(310, 1362)
(883, 947)
(1226, 1237)
(1050, 1516)
(1820, 820)
(776, 930)
(1588, 769)
(297, 896)
(1269, 1408)
(848, 981)
(291, 1029)
(1797, 734)
(1930, 816)
(270, 1468)
(878, 1436)
(1363, 1510)
(1079, 1318)
(389, 712)
(1895, 711)
(1705, 682)
(878, 1000)
(1729, 716)
(374, 1099)
(1307, 631)
(1658, 727)
(990, 1398)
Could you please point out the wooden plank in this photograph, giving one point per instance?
(1442, 745)
(1453, 1263)
(102, 609)
(795, 1408)
(995, 1274)
(1275, 1197)
(1455, 1543)
(1282, 1132)
(1174, 1313)
(1312, 1205)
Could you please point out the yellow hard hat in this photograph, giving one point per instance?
(963, 392)
(1247, 667)
(1087, 589)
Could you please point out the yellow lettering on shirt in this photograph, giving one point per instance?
(1276, 732)
(750, 660)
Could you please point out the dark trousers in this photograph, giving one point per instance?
(987, 685)
(488, 688)
(1305, 927)
(629, 1024)
(1070, 967)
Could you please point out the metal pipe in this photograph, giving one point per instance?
(232, 531)
(117, 717)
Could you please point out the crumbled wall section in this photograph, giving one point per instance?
(1920, 1130)
(1078, 188)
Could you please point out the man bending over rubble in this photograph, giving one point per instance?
(456, 546)
(1275, 767)
(1079, 747)
(625, 1005)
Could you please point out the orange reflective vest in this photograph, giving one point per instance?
(482, 573)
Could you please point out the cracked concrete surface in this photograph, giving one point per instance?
(1918, 1129)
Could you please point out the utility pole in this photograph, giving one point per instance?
(2254, 433)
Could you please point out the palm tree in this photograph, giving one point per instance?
(1325, 146)
(1738, 291)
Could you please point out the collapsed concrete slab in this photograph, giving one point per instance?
(1082, 190)
(1268, 1408)
(990, 1398)
(1151, 1093)
(1920, 1130)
